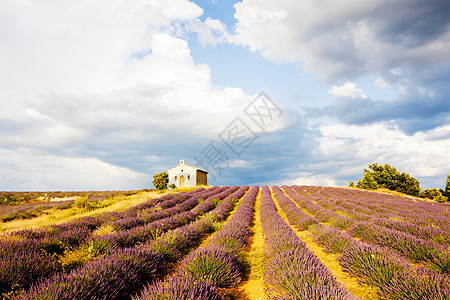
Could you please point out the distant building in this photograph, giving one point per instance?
(185, 175)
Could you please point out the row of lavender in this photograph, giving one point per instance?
(384, 202)
(34, 254)
(56, 238)
(121, 272)
(379, 266)
(219, 264)
(416, 248)
(292, 271)
(362, 211)
(396, 278)
(366, 205)
(24, 261)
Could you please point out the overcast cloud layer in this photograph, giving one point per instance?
(99, 96)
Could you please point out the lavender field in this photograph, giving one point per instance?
(288, 242)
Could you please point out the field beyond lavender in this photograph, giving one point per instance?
(316, 242)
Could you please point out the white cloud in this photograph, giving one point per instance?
(420, 155)
(347, 90)
(346, 39)
(338, 154)
(79, 46)
(311, 179)
(210, 32)
(25, 170)
(239, 163)
(380, 82)
(86, 87)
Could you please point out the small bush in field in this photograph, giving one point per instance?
(83, 203)
(90, 250)
(10, 217)
(160, 180)
(64, 206)
(441, 261)
(216, 201)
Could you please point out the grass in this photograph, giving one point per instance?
(363, 291)
(118, 203)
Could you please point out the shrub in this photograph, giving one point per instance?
(10, 217)
(64, 206)
(160, 180)
(433, 194)
(83, 203)
(88, 251)
(368, 182)
(440, 261)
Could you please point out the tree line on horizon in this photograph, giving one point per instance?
(379, 176)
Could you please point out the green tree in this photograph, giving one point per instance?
(368, 181)
(388, 177)
(446, 192)
(160, 180)
(385, 176)
(433, 194)
(447, 184)
(407, 184)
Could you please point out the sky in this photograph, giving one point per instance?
(101, 95)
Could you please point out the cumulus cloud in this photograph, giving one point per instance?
(347, 38)
(96, 96)
(79, 46)
(311, 179)
(96, 88)
(210, 32)
(420, 154)
(28, 170)
(333, 155)
(414, 111)
(347, 90)
(403, 44)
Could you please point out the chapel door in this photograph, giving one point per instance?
(181, 181)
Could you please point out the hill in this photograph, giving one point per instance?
(233, 243)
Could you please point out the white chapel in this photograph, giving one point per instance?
(185, 175)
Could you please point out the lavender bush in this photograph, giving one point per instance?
(292, 271)
(114, 276)
(181, 288)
